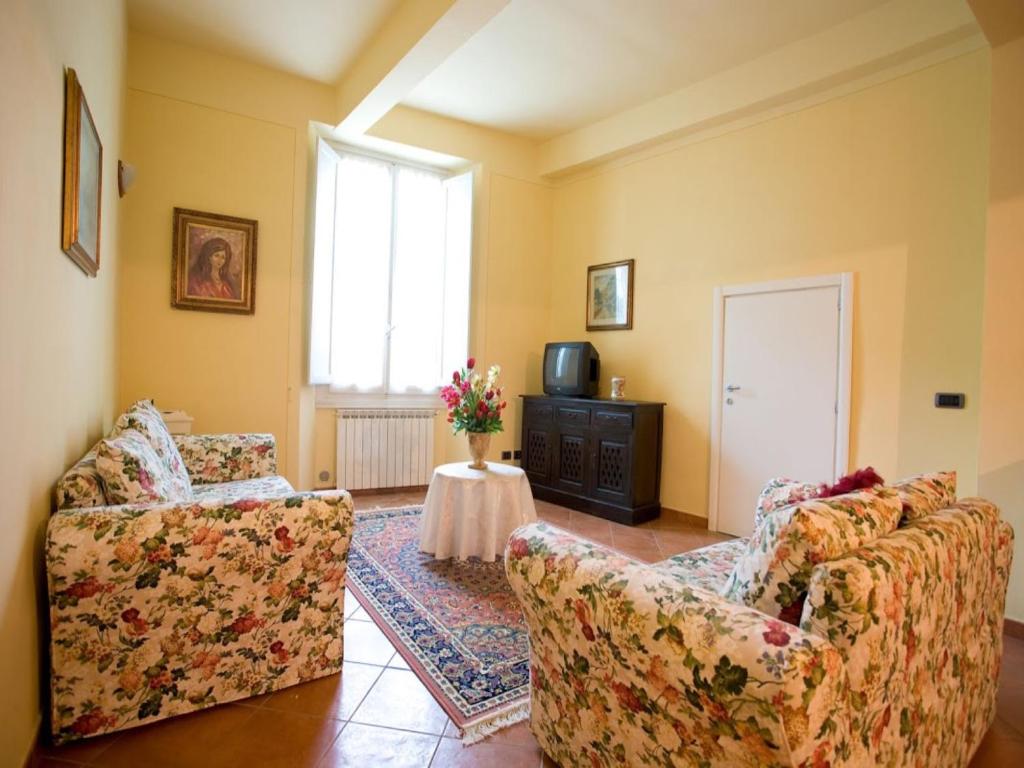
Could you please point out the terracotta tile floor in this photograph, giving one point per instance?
(354, 719)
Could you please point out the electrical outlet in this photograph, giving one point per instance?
(506, 455)
(518, 454)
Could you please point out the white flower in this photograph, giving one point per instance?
(536, 572)
(551, 706)
(588, 723)
(209, 623)
(492, 376)
(666, 736)
(333, 650)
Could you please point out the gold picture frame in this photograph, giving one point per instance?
(213, 262)
(610, 296)
(83, 179)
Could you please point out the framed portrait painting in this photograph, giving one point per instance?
(83, 179)
(213, 263)
(610, 296)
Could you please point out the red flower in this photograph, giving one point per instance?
(489, 394)
(160, 680)
(471, 363)
(456, 377)
(85, 588)
(245, 505)
(627, 699)
(91, 722)
(130, 615)
(588, 632)
(776, 634)
(281, 533)
(244, 624)
(518, 548)
(276, 646)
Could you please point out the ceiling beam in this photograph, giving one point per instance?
(880, 44)
(1001, 20)
(413, 42)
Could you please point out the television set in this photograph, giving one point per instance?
(571, 369)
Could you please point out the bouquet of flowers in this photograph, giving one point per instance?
(474, 402)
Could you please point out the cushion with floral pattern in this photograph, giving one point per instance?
(782, 492)
(774, 572)
(132, 472)
(924, 494)
(143, 417)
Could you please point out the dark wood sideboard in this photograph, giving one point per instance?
(595, 455)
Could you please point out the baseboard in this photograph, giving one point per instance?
(382, 491)
(696, 520)
(1013, 628)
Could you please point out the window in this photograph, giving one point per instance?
(391, 260)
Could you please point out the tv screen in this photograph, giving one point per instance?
(563, 367)
(571, 368)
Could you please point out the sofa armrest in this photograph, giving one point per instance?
(630, 666)
(227, 457)
(163, 609)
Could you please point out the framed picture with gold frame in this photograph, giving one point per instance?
(610, 296)
(83, 179)
(213, 264)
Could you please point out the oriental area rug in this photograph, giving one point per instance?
(457, 624)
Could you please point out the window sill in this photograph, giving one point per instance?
(330, 400)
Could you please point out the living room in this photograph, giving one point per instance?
(690, 154)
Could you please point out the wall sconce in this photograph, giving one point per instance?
(125, 177)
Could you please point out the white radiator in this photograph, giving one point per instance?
(385, 448)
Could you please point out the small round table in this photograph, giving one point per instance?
(471, 512)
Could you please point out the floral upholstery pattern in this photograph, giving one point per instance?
(774, 572)
(708, 567)
(144, 418)
(632, 667)
(157, 610)
(257, 487)
(918, 617)
(81, 486)
(131, 471)
(895, 662)
(923, 494)
(223, 458)
(781, 492)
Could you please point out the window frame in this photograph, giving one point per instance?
(328, 395)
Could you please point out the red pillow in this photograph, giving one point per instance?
(855, 481)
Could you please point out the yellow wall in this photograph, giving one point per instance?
(888, 183)
(214, 133)
(1001, 457)
(57, 326)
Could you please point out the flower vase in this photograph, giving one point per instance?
(479, 443)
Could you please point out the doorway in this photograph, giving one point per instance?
(780, 395)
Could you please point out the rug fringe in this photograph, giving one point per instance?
(485, 726)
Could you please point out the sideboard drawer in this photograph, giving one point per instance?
(577, 416)
(538, 413)
(613, 419)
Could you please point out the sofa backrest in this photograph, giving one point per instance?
(918, 617)
(80, 486)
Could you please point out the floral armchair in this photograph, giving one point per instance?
(158, 609)
(895, 660)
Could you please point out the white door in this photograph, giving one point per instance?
(780, 395)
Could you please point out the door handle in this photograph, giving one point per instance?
(732, 388)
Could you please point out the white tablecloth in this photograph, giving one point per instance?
(471, 512)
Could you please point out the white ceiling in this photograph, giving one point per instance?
(316, 39)
(545, 67)
(539, 68)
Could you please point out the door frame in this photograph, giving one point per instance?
(842, 280)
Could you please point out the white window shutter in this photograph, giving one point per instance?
(323, 264)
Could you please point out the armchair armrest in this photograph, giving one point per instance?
(630, 666)
(222, 458)
(163, 609)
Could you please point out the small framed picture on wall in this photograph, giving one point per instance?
(83, 179)
(610, 296)
(213, 262)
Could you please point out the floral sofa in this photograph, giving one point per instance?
(161, 608)
(894, 661)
